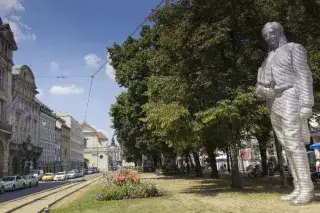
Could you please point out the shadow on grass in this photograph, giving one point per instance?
(212, 187)
(185, 177)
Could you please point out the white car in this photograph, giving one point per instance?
(30, 180)
(2, 189)
(61, 176)
(13, 182)
(72, 174)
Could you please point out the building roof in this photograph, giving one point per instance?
(87, 128)
(53, 115)
(84, 123)
(102, 137)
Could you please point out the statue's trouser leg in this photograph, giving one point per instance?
(277, 126)
(306, 193)
(292, 168)
(291, 126)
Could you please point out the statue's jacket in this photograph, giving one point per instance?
(286, 72)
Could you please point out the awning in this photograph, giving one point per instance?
(315, 146)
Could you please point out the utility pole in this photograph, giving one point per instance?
(97, 157)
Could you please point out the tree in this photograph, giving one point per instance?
(130, 62)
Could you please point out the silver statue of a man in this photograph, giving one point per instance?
(285, 81)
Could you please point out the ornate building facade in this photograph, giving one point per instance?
(7, 46)
(115, 155)
(24, 115)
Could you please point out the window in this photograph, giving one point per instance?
(1, 78)
(2, 47)
(6, 50)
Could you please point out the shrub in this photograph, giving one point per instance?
(139, 168)
(126, 185)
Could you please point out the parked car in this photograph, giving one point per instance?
(2, 189)
(90, 171)
(61, 176)
(30, 180)
(85, 171)
(72, 174)
(11, 183)
(37, 173)
(78, 173)
(48, 177)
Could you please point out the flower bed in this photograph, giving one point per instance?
(126, 185)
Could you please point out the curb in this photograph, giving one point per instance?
(58, 200)
(36, 199)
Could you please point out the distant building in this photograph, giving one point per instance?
(76, 141)
(95, 150)
(24, 115)
(115, 155)
(65, 145)
(7, 46)
(47, 139)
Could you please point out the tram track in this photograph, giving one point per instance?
(38, 202)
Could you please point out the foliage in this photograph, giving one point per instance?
(126, 185)
(139, 168)
(190, 77)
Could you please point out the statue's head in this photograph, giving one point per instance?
(273, 34)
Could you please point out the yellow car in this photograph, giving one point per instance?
(48, 177)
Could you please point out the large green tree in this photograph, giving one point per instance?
(130, 61)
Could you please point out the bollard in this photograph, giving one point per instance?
(47, 210)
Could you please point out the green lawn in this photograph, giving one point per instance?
(195, 195)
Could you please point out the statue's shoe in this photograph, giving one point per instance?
(291, 196)
(303, 198)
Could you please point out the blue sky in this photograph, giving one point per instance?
(69, 37)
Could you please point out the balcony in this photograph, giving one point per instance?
(37, 150)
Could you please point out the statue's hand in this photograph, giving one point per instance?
(305, 112)
(269, 93)
(265, 92)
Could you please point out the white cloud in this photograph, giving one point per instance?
(40, 93)
(11, 5)
(92, 60)
(110, 71)
(54, 66)
(66, 90)
(20, 30)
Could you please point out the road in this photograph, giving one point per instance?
(41, 187)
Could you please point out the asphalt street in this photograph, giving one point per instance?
(41, 187)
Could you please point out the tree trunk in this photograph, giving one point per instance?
(198, 168)
(155, 161)
(213, 163)
(235, 174)
(283, 179)
(264, 165)
(228, 160)
(188, 165)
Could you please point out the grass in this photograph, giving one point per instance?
(196, 195)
